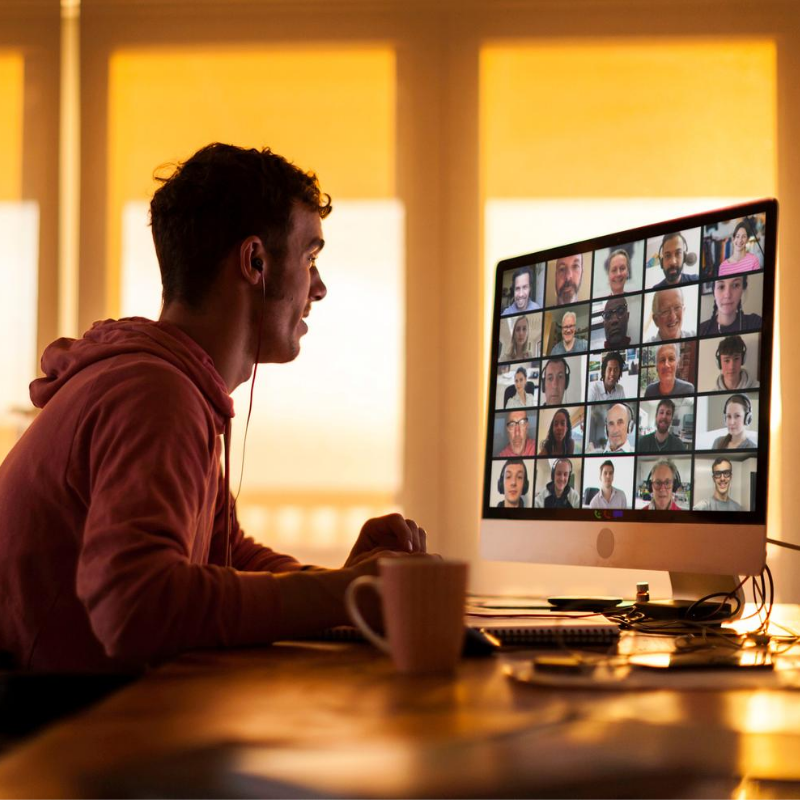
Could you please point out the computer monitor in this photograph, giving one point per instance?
(629, 398)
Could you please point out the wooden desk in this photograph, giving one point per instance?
(316, 719)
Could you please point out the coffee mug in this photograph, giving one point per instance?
(423, 611)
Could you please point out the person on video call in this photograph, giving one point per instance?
(668, 308)
(615, 322)
(721, 472)
(569, 343)
(521, 346)
(554, 382)
(673, 255)
(661, 440)
(558, 493)
(739, 260)
(618, 269)
(608, 496)
(608, 388)
(559, 441)
(521, 398)
(668, 383)
(733, 376)
(522, 284)
(119, 544)
(517, 430)
(569, 274)
(618, 423)
(727, 315)
(664, 482)
(738, 415)
(513, 479)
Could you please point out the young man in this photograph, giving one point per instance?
(673, 255)
(721, 472)
(608, 496)
(558, 493)
(554, 382)
(608, 387)
(661, 440)
(118, 543)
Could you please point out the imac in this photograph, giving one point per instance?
(628, 418)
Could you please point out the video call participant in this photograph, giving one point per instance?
(728, 316)
(739, 260)
(615, 322)
(673, 255)
(523, 285)
(518, 442)
(668, 308)
(555, 380)
(663, 482)
(521, 346)
(521, 398)
(559, 441)
(721, 472)
(661, 440)
(608, 496)
(569, 342)
(608, 388)
(513, 484)
(731, 355)
(618, 269)
(619, 423)
(738, 415)
(558, 493)
(569, 274)
(668, 384)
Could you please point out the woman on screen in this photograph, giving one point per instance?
(666, 366)
(559, 441)
(521, 398)
(520, 346)
(739, 260)
(618, 269)
(727, 316)
(738, 415)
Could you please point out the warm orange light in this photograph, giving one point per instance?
(12, 72)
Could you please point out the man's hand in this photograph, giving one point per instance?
(391, 532)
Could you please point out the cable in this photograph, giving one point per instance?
(787, 545)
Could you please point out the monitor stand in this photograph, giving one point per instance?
(688, 587)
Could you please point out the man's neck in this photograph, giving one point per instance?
(723, 498)
(610, 388)
(607, 490)
(661, 437)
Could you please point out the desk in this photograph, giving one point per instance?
(330, 719)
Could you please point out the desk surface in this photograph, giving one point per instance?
(324, 719)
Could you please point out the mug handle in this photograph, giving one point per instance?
(352, 609)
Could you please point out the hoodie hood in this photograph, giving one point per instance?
(65, 357)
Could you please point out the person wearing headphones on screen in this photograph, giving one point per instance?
(558, 493)
(555, 379)
(513, 484)
(661, 440)
(721, 472)
(608, 496)
(119, 544)
(731, 355)
(673, 255)
(663, 482)
(608, 388)
(619, 423)
(738, 415)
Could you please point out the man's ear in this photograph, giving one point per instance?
(252, 260)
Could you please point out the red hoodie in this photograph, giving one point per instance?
(112, 524)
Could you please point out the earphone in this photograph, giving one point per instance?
(558, 360)
(676, 477)
(690, 259)
(257, 264)
(501, 480)
(742, 400)
(736, 340)
(631, 423)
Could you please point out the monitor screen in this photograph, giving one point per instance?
(629, 394)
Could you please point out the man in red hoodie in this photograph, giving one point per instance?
(118, 544)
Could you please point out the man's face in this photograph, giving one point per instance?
(672, 257)
(618, 274)
(561, 477)
(615, 320)
(517, 429)
(607, 476)
(669, 314)
(663, 419)
(666, 366)
(555, 382)
(513, 481)
(728, 295)
(731, 369)
(722, 478)
(617, 426)
(568, 328)
(662, 487)
(612, 374)
(522, 291)
(569, 272)
(292, 288)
